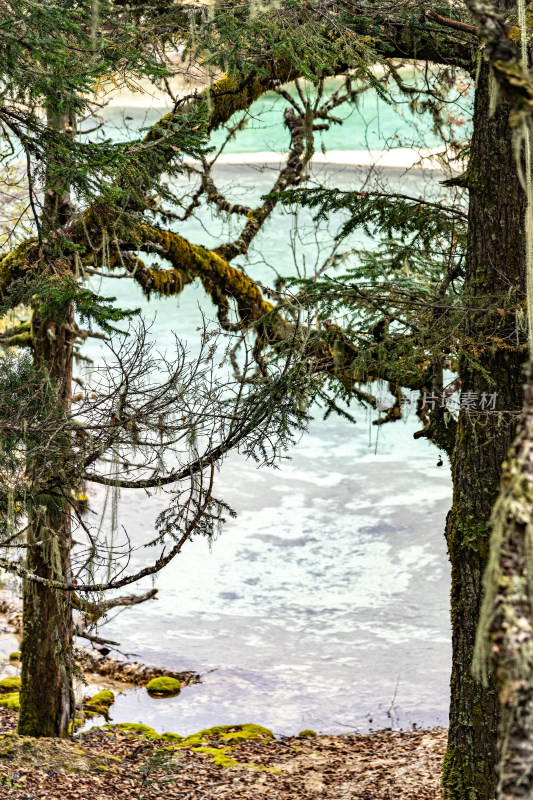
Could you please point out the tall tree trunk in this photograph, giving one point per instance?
(46, 697)
(505, 636)
(491, 362)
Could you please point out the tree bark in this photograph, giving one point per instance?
(491, 362)
(46, 695)
(505, 637)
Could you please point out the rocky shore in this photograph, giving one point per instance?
(90, 660)
(126, 761)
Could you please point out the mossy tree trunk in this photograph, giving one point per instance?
(491, 363)
(505, 636)
(46, 697)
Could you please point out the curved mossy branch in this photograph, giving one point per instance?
(228, 95)
(232, 92)
(332, 352)
(291, 175)
(331, 349)
(217, 276)
(221, 100)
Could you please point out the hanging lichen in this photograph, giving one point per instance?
(10, 515)
(526, 138)
(521, 325)
(95, 22)
(494, 92)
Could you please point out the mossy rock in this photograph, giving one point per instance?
(163, 686)
(99, 704)
(171, 737)
(11, 701)
(11, 684)
(227, 733)
(59, 755)
(14, 656)
(104, 698)
(307, 734)
(137, 729)
(96, 711)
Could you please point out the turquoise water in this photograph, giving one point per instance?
(370, 124)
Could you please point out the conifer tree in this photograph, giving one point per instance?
(446, 292)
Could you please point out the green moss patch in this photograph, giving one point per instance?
(203, 741)
(171, 737)
(144, 731)
(11, 684)
(163, 686)
(228, 733)
(14, 656)
(11, 701)
(105, 698)
(137, 729)
(99, 704)
(220, 743)
(219, 756)
(307, 734)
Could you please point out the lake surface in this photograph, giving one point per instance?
(324, 605)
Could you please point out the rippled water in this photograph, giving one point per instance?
(322, 605)
(325, 603)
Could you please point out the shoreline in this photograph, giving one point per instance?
(143, 94)
(395, 158)
(243, 761)
(123, 673)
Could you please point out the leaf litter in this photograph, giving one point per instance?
(113, 764)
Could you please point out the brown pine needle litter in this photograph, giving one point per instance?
(112, 764)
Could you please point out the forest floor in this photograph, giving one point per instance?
(112, 764)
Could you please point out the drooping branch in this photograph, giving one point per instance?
(95, 639)
(291, 175)
(97, 610)
(16, 568)
(94, 612)
(128, 600)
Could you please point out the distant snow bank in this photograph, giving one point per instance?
(400, 158)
